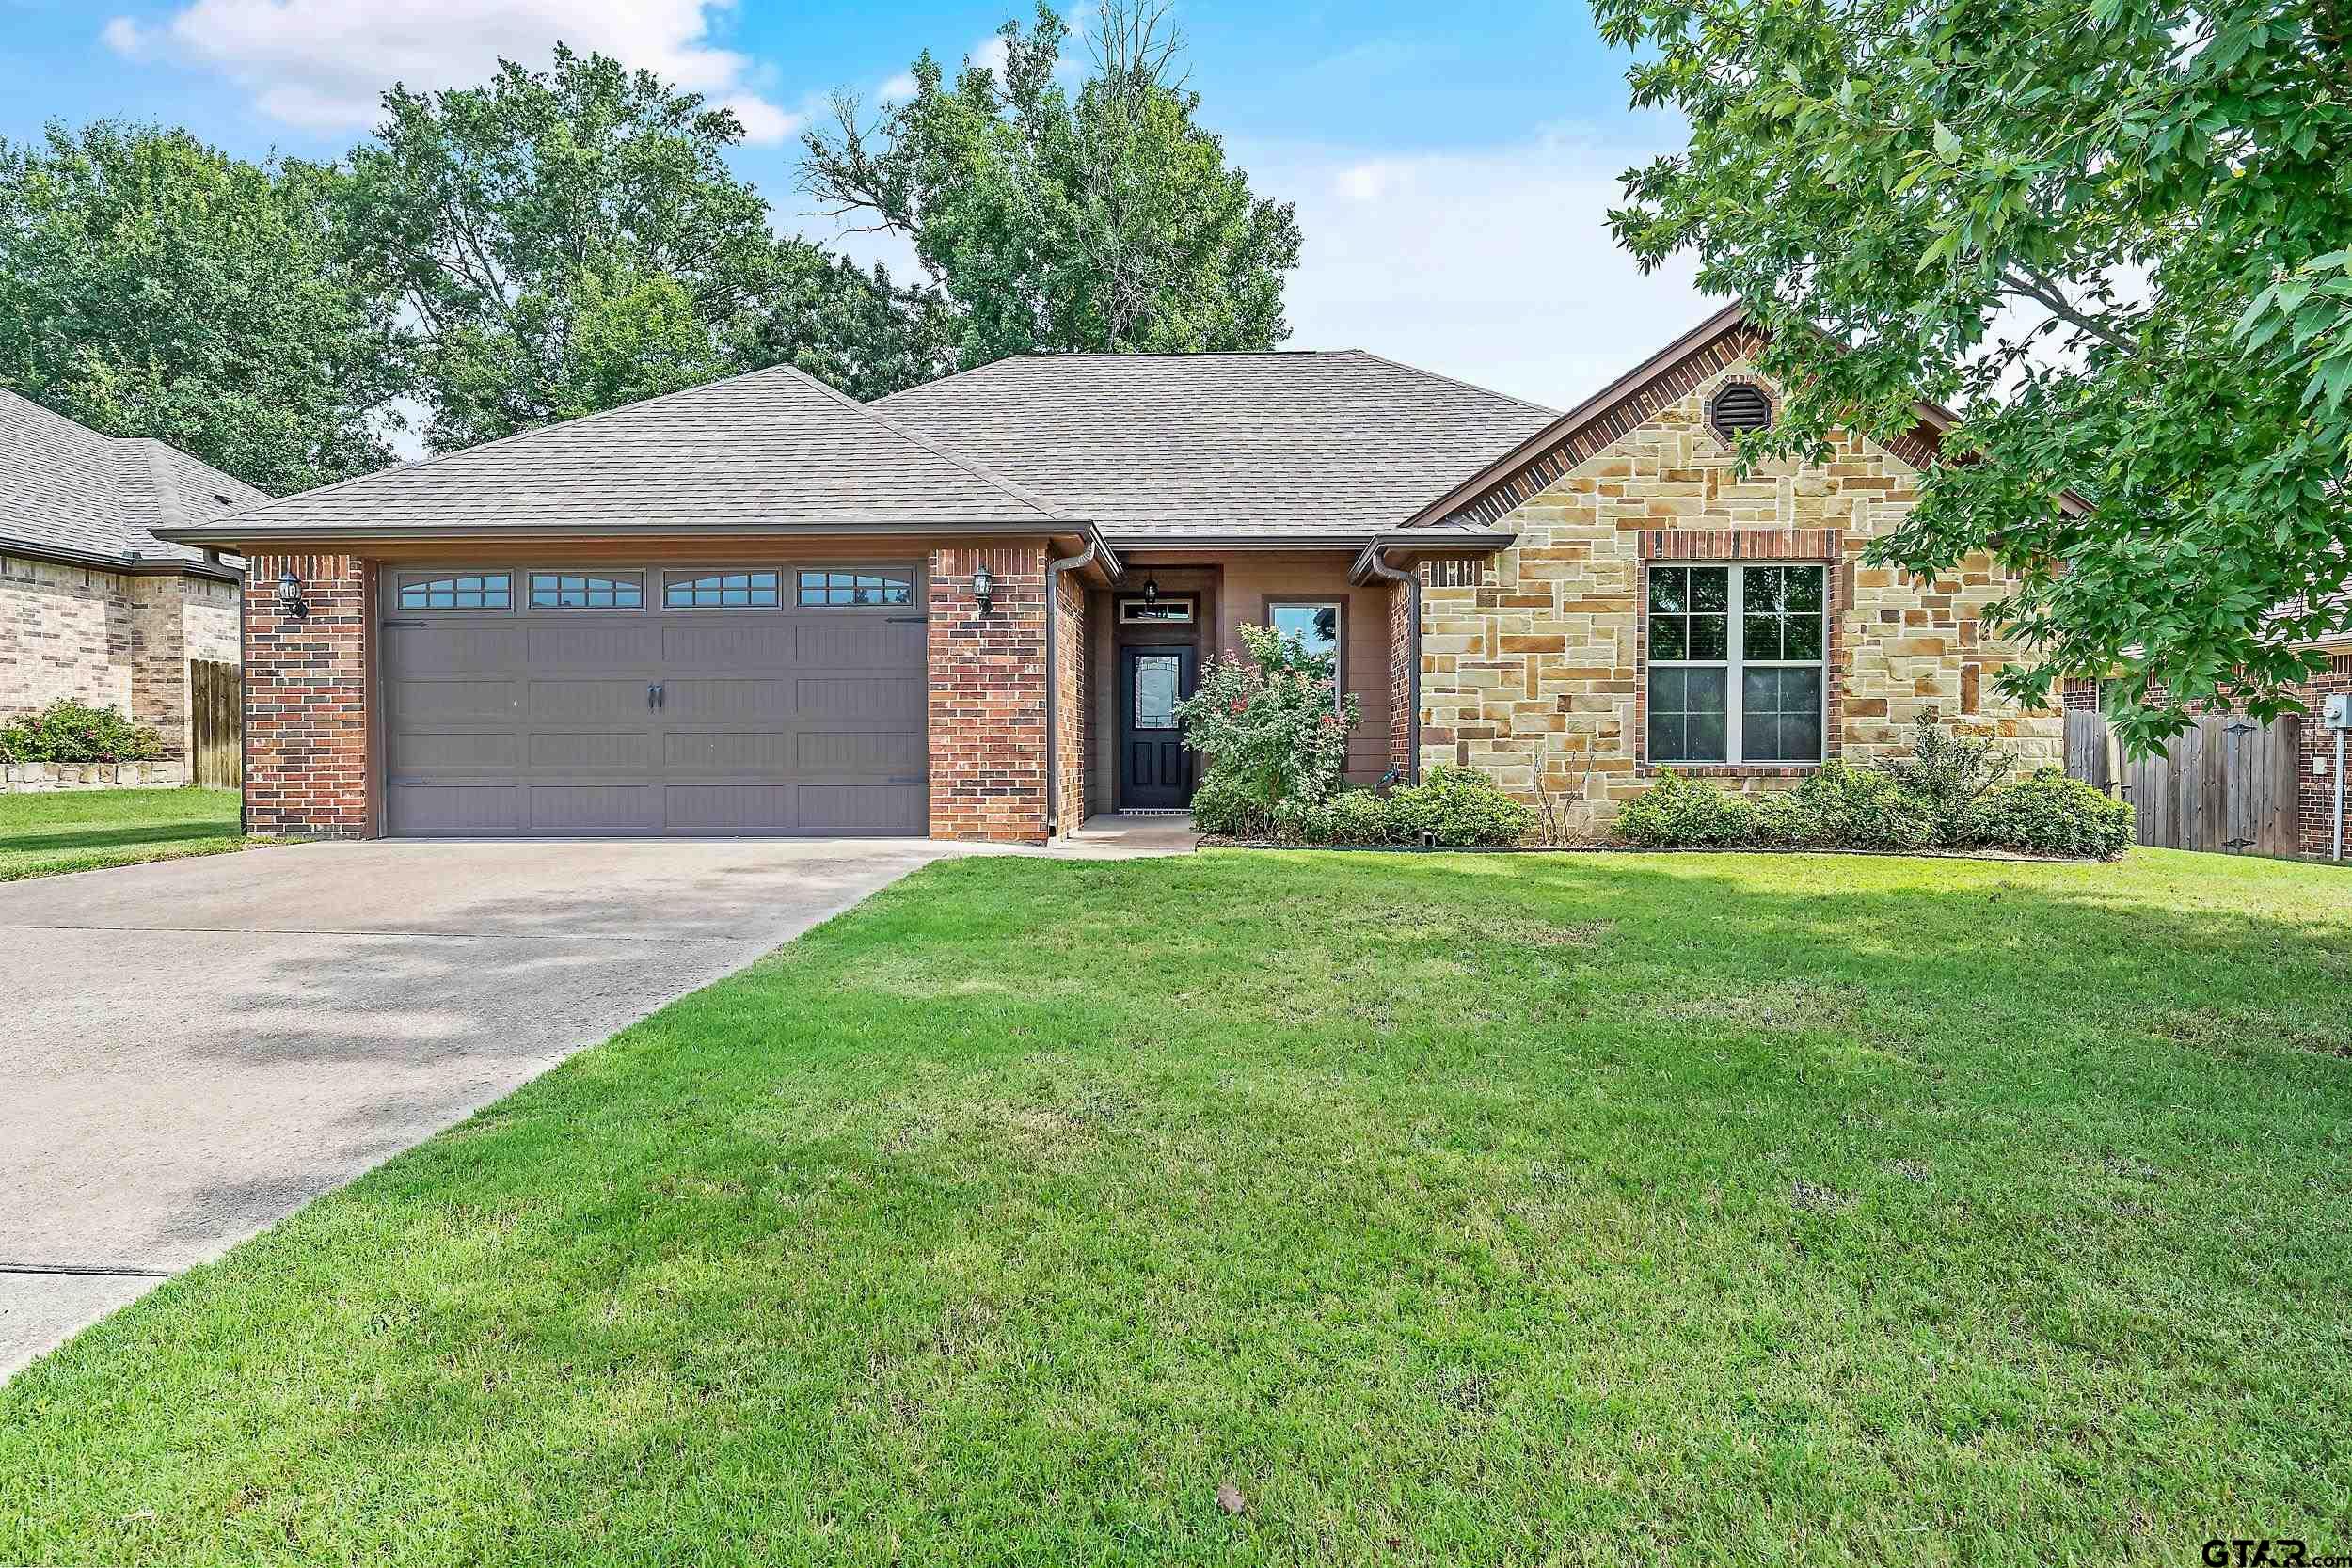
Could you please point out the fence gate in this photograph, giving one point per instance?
(2228, 786)
(216, 724)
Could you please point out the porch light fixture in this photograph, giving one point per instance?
(290, 593)
(983, 587)
(1151, 591)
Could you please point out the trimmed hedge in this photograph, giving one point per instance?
(1455, 808)
(1842, 807)
(68, 731)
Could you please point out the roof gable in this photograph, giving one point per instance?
(1307, 447)
(773, 449)
(1665, 378)
(68, 490)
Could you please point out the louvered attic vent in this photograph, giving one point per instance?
(1739, 407)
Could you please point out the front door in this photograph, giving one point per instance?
(1154, 768)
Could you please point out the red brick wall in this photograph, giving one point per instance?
(2316, 792)
(306, 695)
(988, 695)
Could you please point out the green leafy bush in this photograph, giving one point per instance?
(1459, 808)
(1355, 816)
(68, 731)
(1858, 808)
(1270, 729)
(1679, 812)
(1948, 770)
(2049, 813)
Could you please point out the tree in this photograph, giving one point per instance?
(1107, 220)
(2113, 232)
(152, 286)
(572, 239)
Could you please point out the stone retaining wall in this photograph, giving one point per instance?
(41, 778)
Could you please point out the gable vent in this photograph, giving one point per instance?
(1738, 407)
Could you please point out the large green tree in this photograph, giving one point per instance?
(152, 286)
(2114, 232)
(572, 239)
(1105, 218)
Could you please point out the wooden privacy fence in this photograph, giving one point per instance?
(2228, 786)
(216, 724)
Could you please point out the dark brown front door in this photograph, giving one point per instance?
(1154, 768)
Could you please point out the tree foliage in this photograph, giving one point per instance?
(152, 286)
(572, 239)
(1103, 219)
(2113, 232)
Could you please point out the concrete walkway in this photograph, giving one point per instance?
(199, 1046)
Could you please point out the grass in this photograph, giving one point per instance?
(1513, 1208)
(81, 829)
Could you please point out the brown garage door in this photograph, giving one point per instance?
(783, 699)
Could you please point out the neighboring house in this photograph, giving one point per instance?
(93, 605)
(966, 610)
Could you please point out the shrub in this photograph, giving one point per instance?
(1357, 816)
(1677, 812)
(1459, 808)
(1949, 771)
(1267, 724)
(2049, 813)
(1222, 806)
(1861, 808)
(68, 731)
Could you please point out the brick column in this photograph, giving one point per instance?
(306, 697)
(1071, 745)
(988, 741)
(2316, 791)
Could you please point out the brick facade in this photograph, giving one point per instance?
(988, 750)
(1533, 670)
(1401, 679)
(110, 640)
(1071, 747)
(306, 698)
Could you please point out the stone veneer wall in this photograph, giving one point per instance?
(988, 744)
(306, 698)
(1071, 746)
(1533, 668)
(111, 639)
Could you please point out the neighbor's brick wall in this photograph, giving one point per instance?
(2316, 791)
(1536, 664)
(1071, 746)
(306, 698)
(111, 639)
(988, 695)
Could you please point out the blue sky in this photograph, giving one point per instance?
(1450, 164)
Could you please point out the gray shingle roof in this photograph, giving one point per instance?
(1315, 445)
(66, 488)
(774, 449)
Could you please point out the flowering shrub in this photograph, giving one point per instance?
(68, 731)
(1266, 722)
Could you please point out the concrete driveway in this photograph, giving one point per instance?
(197, 1047)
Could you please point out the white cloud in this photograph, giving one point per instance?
(321, 64)
(897, 90)
(1491, 264)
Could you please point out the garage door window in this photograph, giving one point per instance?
(719, 590)
(458, 591)
(831, 590)
(586, 591)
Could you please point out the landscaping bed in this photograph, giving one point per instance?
(1433, 1209)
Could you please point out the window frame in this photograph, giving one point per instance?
(913, 603)
(611, 574)
(1190, 603)
(406, 577)
(1735, 664)
(663, 574)
(1336, 604)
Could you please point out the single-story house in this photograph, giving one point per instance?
(966, 610)
(94, 606)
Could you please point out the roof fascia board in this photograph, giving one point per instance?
(121, 565)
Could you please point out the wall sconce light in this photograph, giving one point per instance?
(983, 587)
(290, 593)
(1151, 591)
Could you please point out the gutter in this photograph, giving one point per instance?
(1053, 570)
(1378, 569)
(121, 565)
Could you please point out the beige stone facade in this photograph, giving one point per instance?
(111, 639)
(1533, 666)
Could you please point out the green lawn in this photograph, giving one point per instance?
(1531, 1208)
(80, 829)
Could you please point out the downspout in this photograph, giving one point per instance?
(2340, 794)
(1053, 570)
(1411, 580)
